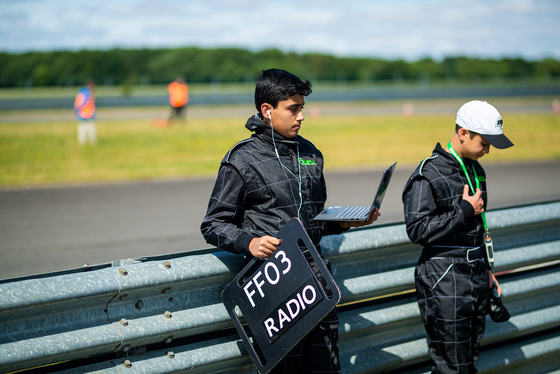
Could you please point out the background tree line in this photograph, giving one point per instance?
(224, 65)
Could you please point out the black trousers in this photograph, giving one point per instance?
(453, 297)
(178, 113)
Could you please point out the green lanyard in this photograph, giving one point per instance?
(460, 160)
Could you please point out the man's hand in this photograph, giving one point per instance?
(476, 200)
(372, 218)
(264, 246)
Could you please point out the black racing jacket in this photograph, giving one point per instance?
(258, 190)
(435, 213)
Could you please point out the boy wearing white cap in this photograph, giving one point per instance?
(444, 203)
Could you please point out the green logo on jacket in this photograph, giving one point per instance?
(307, 162)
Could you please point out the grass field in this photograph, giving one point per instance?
(37, 153)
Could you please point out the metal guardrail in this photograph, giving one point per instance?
(164, 314)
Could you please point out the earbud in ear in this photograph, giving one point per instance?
(268, 112)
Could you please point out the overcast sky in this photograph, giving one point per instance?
(391, 29)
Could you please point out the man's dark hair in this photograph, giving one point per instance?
(274, 85)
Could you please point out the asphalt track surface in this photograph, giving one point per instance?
(57, 228)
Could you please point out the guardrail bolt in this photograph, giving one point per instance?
(167, 314)
(139, 304)
(123, 322)
(170, 354)
(122, 271)
(126, 348)
(168, 340)
(167, 264)
(127, 363)
(166, 290)
(123, 297)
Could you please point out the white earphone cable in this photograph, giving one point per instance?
(285, 168)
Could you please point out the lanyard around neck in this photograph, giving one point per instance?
(460, 161)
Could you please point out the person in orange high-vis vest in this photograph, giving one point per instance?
(178, 91)
(84, 107)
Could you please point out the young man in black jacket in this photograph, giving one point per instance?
(262, 183)
(444, 203)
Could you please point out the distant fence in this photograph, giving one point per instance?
(164, 314)
(339, 94)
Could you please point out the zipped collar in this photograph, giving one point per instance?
(449, 157)
(261, 129)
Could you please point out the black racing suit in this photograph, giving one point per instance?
(263, 182)
(452, 280)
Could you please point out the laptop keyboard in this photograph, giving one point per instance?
(355, 211)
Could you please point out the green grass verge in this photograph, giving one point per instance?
(47, 153)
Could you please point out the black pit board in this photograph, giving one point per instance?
(280, 298)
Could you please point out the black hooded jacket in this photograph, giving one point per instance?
(258, 190)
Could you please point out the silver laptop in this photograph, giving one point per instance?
(358, 213)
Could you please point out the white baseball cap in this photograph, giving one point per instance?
(482, 118)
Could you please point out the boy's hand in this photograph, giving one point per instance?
(264, 246)
(475, 200)
(372, 218)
